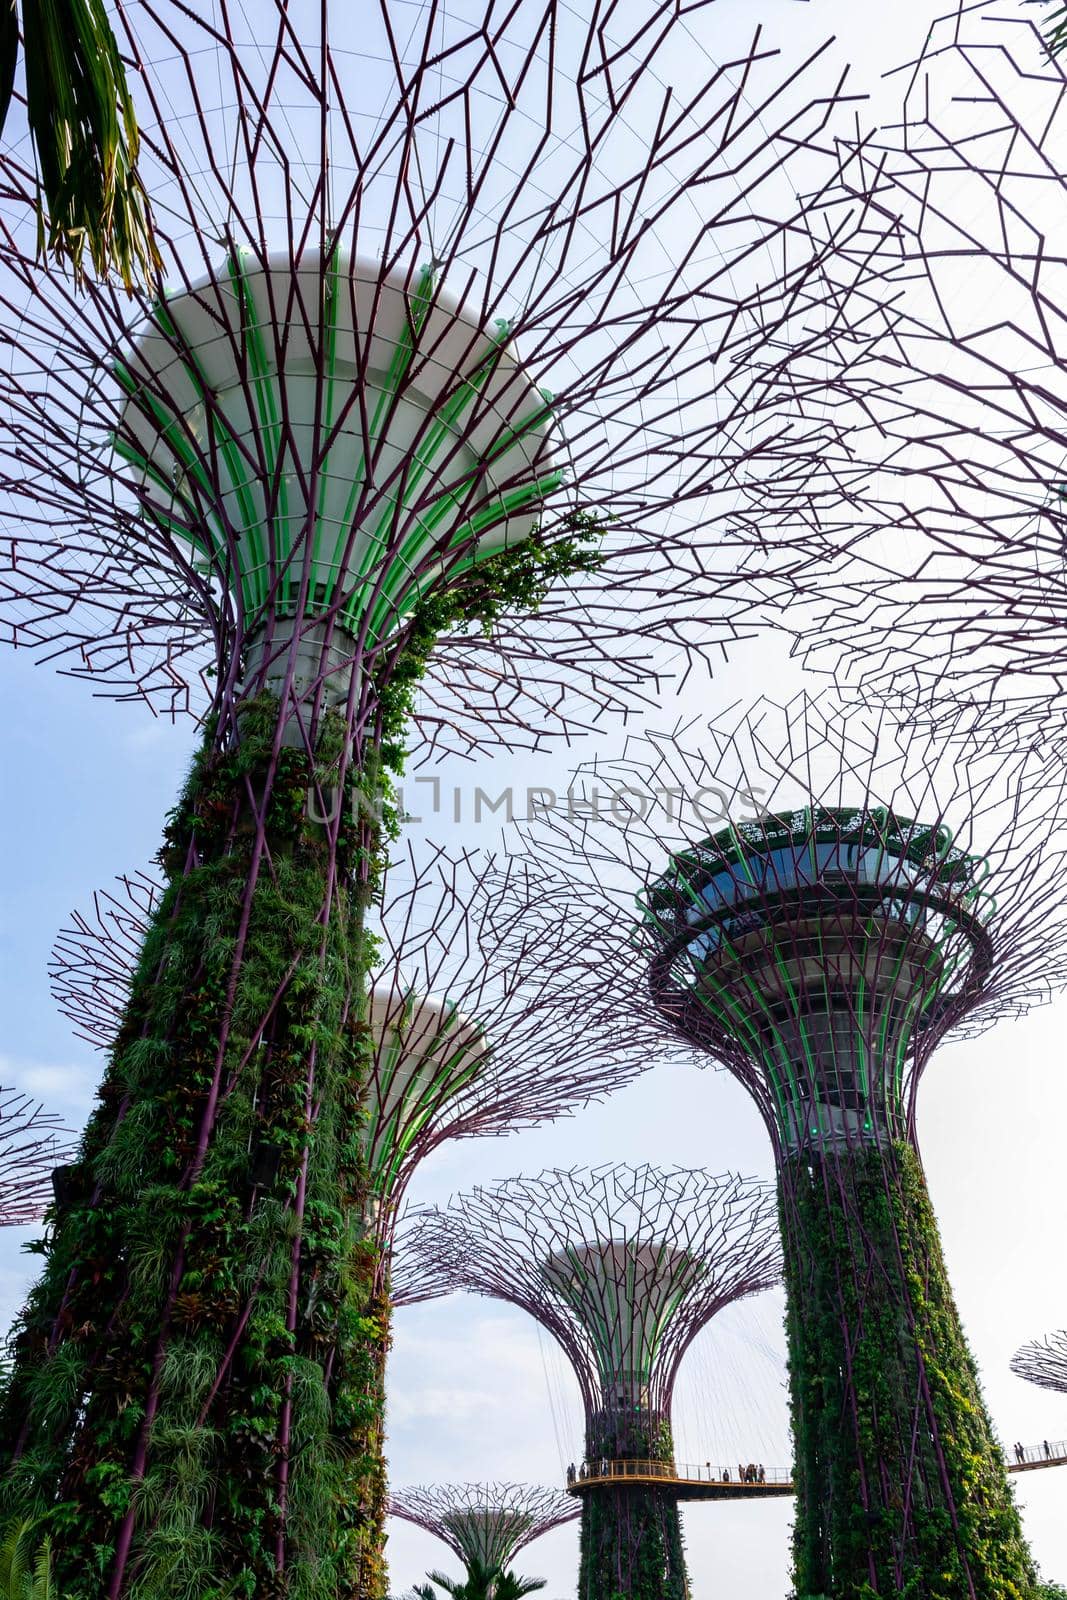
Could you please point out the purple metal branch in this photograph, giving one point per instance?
(31, 1148)
(961, 416)
(1043, 1362)
(486, 1015)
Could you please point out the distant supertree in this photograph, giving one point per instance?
(884, 894)
(30, 1151)
(466, 315)
(477, 1024)
(1044, 1362)
(623, 1266)
(484, 1524)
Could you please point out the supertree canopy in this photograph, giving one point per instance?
(623, 1266)
(1043, 1362)
(862, 896)
(821, 1008)
(465, 316)
(30, 1151)
(409, 358)
(484, 1524)
(959, 589)
(477, 1023)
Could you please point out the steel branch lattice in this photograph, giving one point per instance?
(961, 589)
(1043, 1362)
(487, 1523)
(171, 503)
(30, 1149)
(94, 958)
(622, 1265)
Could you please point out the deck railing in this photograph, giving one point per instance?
(1049, 1452)
(680, 1472)
(754, 1476)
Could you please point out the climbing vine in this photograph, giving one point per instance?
(901, 1488)
(515, 579)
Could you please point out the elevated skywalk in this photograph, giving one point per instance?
(710, 1482)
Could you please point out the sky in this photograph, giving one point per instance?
(475, 1392)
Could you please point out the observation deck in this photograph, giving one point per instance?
(709, 1482)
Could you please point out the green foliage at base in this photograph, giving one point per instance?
(26, 1565)
(481, 1583)
(205, 1311)
(631, 1537)
(901, 1488)
(372, 1578)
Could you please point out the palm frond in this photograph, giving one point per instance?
(85, 135)
(449, 1585)
(14, 1558)
(1056, 28)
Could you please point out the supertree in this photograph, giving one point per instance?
(623, 1266)
(1043, 1362)
(484, 1524)
(30, 1150)
(476, 1024)
(312, 464)
(871, 895)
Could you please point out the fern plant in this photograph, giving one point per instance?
(26, 1573)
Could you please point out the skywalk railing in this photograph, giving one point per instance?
(599, 1471)
(755, 1476)
(1049, 1453)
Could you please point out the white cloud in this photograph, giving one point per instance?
(63, 1087)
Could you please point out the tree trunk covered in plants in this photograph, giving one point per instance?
(901, 1487)
(372, 1581)
(631, 1537)
(195, 1407)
